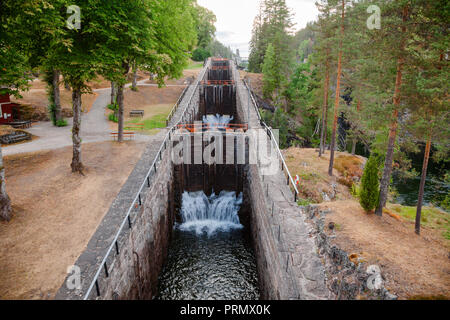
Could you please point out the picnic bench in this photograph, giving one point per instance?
(20, 124)
(15, 137)
(137, 113)
(129, 134)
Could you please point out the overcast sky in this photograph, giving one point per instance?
(235, 19)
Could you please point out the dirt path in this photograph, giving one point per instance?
(56, 213)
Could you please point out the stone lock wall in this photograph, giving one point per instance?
(135, 271)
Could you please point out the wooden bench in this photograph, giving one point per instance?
(137, 113)
(21, 124)
(15, 137)
(128, 134)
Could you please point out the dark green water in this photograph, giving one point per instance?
(408, 190)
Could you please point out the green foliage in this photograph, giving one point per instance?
(156, 122)
(204, 22)
(370, 186)
(273, 26)
(355, 190)
(446, 203)
(200, 54)
(51, 111)
(61, 123)
(113, 107)
(112, 117)
(271, 72)
(431, 217)
(278, 120)
(217, 49)
(304, 202)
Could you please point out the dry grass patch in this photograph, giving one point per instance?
(56, 213)
(412, 265)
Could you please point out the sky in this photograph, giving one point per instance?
(235, 19)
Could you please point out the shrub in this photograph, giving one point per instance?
(304, 202)
(113, 107)
(112, 117)
(200, 54)
(355, 190)
(61, 123)
(370, 186)
(51, 111)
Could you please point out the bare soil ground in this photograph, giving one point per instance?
(414, 267)
(150, 96)
(255, 81)
(38, 99)
(56, 213)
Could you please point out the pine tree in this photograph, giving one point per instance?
(271, 72)
(369, 192)
(338, 88)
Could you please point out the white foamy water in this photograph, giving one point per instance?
(204, 214)
(217, 120)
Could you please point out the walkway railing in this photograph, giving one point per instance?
(137, 202)
(177, 104)
(284, 167)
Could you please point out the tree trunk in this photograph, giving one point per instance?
(57, 95)
(120, 88)
(76, 165)
(5, 202)
(324, 110)
(120, 112)
(387, 171)
(355, 140)
(422, 182)
(134, 83)
(338, 95)
(354, 146)
(113, 93)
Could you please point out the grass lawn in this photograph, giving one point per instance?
(431, 217)
(154, 118)
(194, 65)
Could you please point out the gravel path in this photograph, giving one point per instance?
(94, 128)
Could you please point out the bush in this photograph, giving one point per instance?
(370, 185)
(113, 107)
(200, 54)
(112, 117)
(51, 111)
(61, 123)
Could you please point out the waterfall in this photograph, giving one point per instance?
(217, 120)
(201, 213)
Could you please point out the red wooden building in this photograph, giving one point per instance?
(8, 109)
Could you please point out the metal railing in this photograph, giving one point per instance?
(284, 167)
(177, 104)
(137, 202)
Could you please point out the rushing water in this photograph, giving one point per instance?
(217, 120)
(209, 256)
